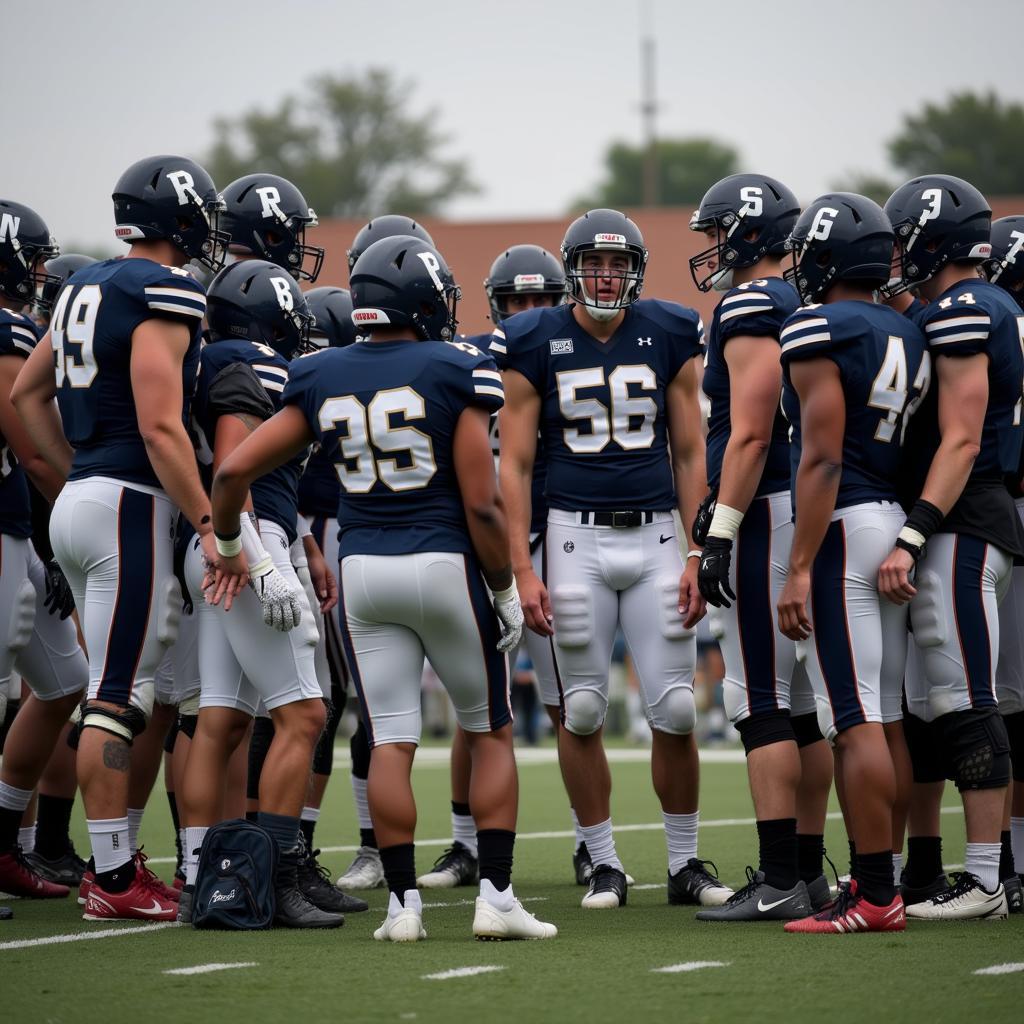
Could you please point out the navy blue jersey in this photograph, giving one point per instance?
(971, 317)
(319, 487)
(885, 371)
(91, 331)
(274, 495)
(385, 412)
(753, 309)
(603, 416)
(18, 337)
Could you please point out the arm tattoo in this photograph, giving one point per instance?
(116, 755)
(249, 422)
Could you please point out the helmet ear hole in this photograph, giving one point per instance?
(824, 258)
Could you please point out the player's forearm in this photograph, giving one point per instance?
(43, 425)
(949, 471)
(742, 465)
(516, 482)
(817, 485)
(488, 531)
(228, 498)
(45, 478)
(691, 485)
(173, 460)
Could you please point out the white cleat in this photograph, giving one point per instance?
(365, 872)
(491, 923)
(403, 923)
(964, 900)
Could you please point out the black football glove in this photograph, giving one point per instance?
(713, 574)
(702, 521)
(58, 593)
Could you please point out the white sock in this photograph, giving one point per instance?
(576, 827)
(982, 861)
(14, 799)
(681, 839)
(1017, 844)
(503, 901)
(194, 836)
(464, 831)
(134, 821)
(109, 839)
(362, 804)
(310, 814)
(27, 838)
(601, 844)
(897, 868)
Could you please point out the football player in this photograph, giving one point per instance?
(853, 373)
(257, 321)
(610, 381)
(747, 219)
(40, 645)
(963, 531)
(408, 416)
(121, 359)
(522, 277)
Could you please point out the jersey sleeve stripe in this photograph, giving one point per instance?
(731, 314)
(486, 389)
(948, 339)
(960, 321)
(758, 296)
(276, 370)
(272, 385)
(793, 329)
(177, 293)
(497, 346)
(498, 333)
(176, 307)
(810, 339)
(487, 375)
(23, 346)
(25, 332)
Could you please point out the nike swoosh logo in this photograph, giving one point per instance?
(156, 908)
(665, 540)
(763, 907)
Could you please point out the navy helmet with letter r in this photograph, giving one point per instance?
(171, 198)
(266, 216)
(519, 270)
(25, 244)
(752, 216)
(388, 225)
(1005, 266)
(938, 219)
(256, 300)
(58, 270)
(604, 231)
(331, 309)
(839, 237)
(404, 282)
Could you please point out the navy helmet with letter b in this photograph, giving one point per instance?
(752, 215)
(331, 308)
(403, 281)
(523, 269)
(839, 237)
(25, 244)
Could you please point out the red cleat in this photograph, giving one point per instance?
(849, 912)
(139, 902)
(85, 885)
(178, 882)
(18, 879)
(164, 891)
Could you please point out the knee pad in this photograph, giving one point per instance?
(806, 729)
(977, 748)
(23, 616)
(359, 748)
(168, 610)
(1015, 734)
(124, 722)
(671, 623)
(675, 713)
(928, 610)
(583, 712)
(262, 737)
(573, 609)
(187, 724)
(925, 744)
(767, 727)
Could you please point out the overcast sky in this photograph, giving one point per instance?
(805, 89)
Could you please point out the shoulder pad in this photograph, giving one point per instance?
(671, 316)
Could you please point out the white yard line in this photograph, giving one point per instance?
(209, 968)
(527, 757)
(1001, 969)
(461, 972)
(693, 965)
(472, 902)
(103, 933)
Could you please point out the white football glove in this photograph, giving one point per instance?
(510, 615)
(281, 607)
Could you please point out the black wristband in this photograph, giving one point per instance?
(925, 518)
(228, 536)
(915, 550)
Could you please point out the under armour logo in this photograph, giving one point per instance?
(643, 341)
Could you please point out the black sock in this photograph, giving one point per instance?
(924, 860)
(853, 858)
(117, 880)
(307, 828)
(874, 877)
(399, 869)
(495, 847)
(367, 838)
(810, 850)
(1005, 856)
(283, 827)
(778, 852)
(253, 816)
(461, 809)
(10, 822)
(53, 819)
(172, 803)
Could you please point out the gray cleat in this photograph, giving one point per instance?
(758, 901)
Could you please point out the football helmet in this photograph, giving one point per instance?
(267, 216)
(58, 270)
(1005, 267)
(25, 243)
(386, 226)
(173, 198)
(938, 219)
(331, 309)
(523, 268)
(404, 281)
(839, 237)
(604, 230)
(752, 215)
(258, 301)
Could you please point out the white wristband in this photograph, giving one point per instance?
(304, 526)
(228, 548)
(507, 594)
(910, 536)
(693, 554)
(725, 523)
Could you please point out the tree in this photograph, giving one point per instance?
(874, 186)
(686, 168)
(350, 145)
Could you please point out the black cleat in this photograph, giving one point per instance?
(919, 894)
(294, 910)
(759, 901)
(819, 893)
(607, 889)
(582, 865)
(1014, 894)
(185, 900)
(694, 885)
(455, 867)
(67, 869)
(315, 884)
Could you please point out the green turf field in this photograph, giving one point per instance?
(602, 967)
